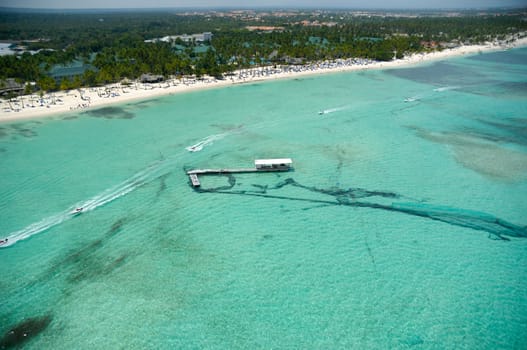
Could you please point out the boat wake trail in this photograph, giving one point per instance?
(428, 95)
(145, 176)
(205, 142)
(35, 228)
(209, 140)
(141, 178)
(333, 110)
(412, 99)
(446, 88)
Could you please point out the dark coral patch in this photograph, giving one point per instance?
(362, 198)
(111, 113)
(24, 331)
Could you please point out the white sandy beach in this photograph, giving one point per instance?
(33, 106)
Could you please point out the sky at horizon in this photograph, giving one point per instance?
(373, 4)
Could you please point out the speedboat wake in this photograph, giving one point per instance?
(141, 178)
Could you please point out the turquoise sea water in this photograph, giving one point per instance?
(403, 224)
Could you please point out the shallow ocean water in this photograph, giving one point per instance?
(402, 225)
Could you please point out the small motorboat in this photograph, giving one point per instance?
(77, 211)
(196, 148)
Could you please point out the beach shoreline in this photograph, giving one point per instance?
(33, 106)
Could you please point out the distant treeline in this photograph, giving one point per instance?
(112, 44)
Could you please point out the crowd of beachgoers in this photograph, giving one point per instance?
(33, 106)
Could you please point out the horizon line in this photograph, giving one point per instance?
(212, 8)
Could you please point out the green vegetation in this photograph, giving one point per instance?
(110, 46)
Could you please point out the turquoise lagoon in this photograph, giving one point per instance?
(403, 224)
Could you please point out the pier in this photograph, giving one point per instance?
(260, 165)
(194, 180)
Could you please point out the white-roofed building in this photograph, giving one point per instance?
(203, 37)
(273, 164)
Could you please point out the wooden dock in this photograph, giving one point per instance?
(193, 174)
(261, 166)
(221, 171)
(194, 180)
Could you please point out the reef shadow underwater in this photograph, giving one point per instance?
(496, 227)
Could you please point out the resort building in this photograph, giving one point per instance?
(70, 70)
(10, 86)
(273, 164)
(200, 38)
(151, 78)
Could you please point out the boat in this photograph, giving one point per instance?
(410, 99)
(195, 148)
(77, 211)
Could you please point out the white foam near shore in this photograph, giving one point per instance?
(33, 106)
